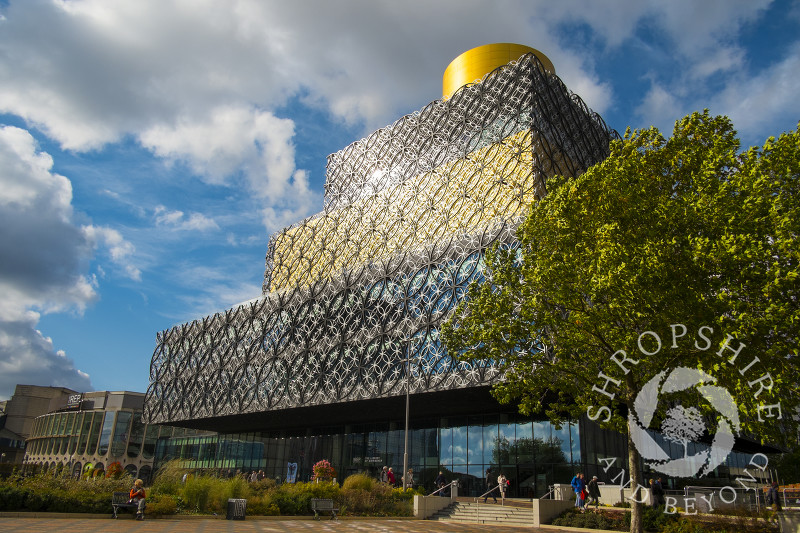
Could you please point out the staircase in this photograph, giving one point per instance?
(486, 513)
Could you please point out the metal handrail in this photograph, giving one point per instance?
(441, 488)
(551, 491)
(486, 494)
(795, 494)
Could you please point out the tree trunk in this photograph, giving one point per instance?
(637, 496)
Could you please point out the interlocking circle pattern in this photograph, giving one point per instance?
(354, 296)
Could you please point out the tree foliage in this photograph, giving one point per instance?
(683, 231)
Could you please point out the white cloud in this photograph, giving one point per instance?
(119, 249)
(27, 357)
(660, 108)
(44, 257)
(177, 220)
(770, 97)
(237, 139)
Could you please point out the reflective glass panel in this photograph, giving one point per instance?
(137, 435)
(97, 420)
(105, 433)
(121, 433)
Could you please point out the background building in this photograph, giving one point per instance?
(17, 419)
(86, 433)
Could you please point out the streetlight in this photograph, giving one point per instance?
(405, 449)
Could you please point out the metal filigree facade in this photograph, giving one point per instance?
(355, 295)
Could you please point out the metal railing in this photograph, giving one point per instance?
(792, 499)
(444, 487)
(489, 492)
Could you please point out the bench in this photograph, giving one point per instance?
(121, 500)
(323, 505)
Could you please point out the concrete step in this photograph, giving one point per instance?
(479, 513)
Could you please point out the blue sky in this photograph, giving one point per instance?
(149, 148)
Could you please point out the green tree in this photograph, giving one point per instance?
(617, 271)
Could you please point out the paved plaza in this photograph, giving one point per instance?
(210, 525)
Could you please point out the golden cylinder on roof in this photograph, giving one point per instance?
(474, 64)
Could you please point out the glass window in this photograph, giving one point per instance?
(137, 434)
(575, 435)
(91, 446)
(144, 474)
(446, 446)
(50, 421)
(121, 433)
(491, 449)
(62, 424)
(70, 424)
(105, 433)
(131, 470)
(475, 442)
(73, 444)
(561, 438)
(525, 443)
(506, 442)
(150, 438)
(459, 446)
(86, 428)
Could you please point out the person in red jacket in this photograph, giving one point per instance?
(390, 475)
(137, 497)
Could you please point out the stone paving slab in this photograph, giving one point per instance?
(211, 525)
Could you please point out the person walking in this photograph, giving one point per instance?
(594, 492)
(579, 485)
(489, 486)
(390, 477)
(440, 483)
(408, 479)
(502, 484)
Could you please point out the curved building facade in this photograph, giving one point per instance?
(347, 325)
(93, 431)
(353, 296)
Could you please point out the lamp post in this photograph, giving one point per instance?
(405, 448)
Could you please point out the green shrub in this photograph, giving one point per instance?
(161, 505)
(11, 498)
(196, 492)
(358, 482)
(601, 520)
(169, 478)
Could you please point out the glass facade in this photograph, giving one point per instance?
(87, 441)
(532, 454)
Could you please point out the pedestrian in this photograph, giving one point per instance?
(594, 492)
(390, 477)
(385, 475)
(489, 486)
(661, 493)
(579, 485)
(408, 479)
(773, 498)
(658, 493)
(440, 483)
(502, 484)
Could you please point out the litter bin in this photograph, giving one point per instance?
(237, 508)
